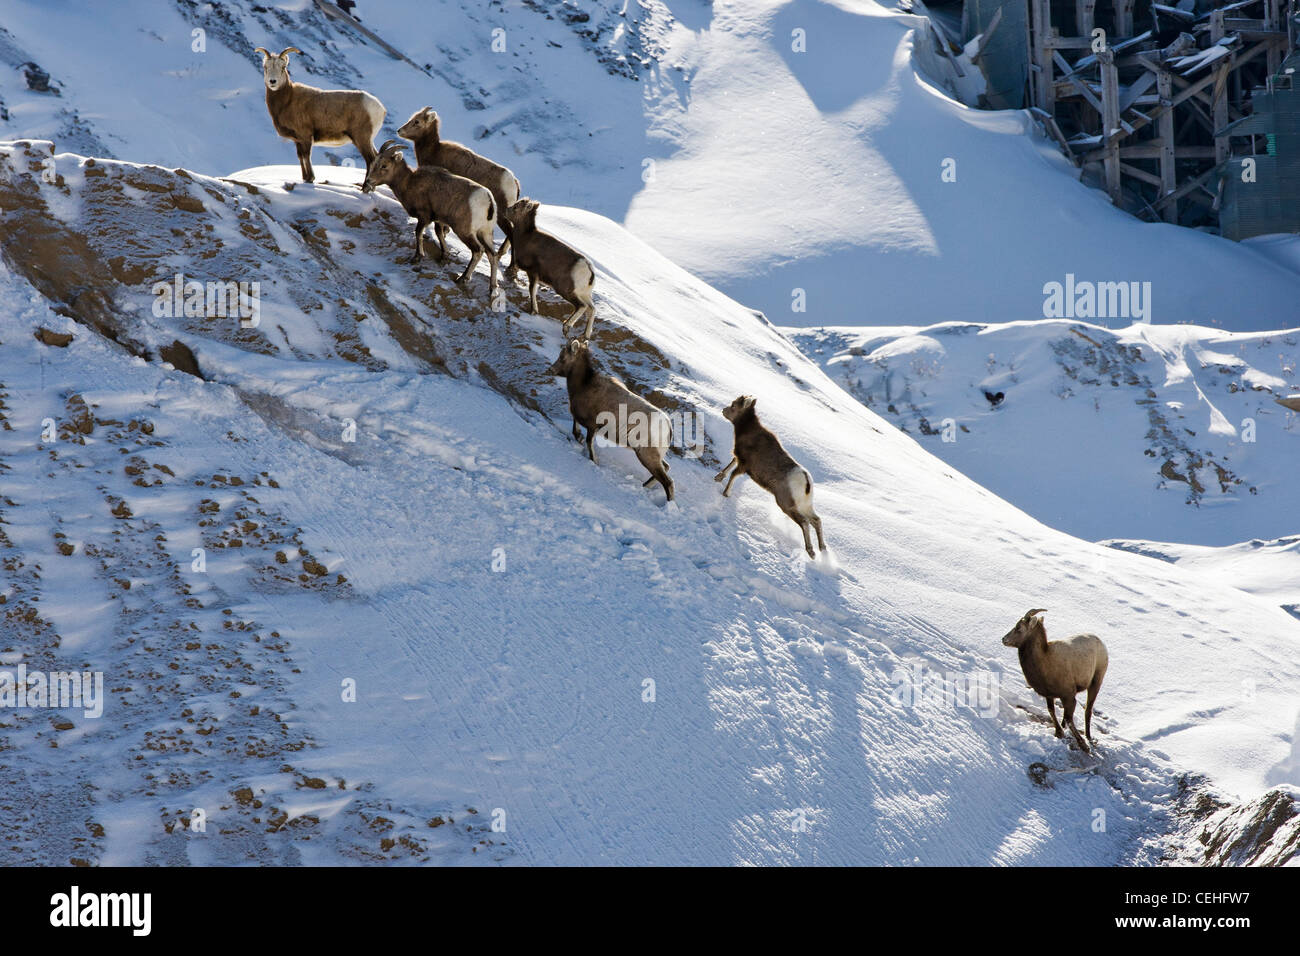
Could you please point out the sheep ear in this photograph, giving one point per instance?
(750, 401)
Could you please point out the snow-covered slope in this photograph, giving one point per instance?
(501, 603)
(813, 179)
(1269, 569)
(1160, 433)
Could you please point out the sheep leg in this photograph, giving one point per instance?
(494, 261)
(1093, 688)
(722, 474)
(591, 449)
(591, 318)
(420, 226)
(476, 255)
(658, 472)
(1068, 704)
(440, 230)
(802, 522)
(1051, 709)
(740, 470)
(304, 161)
(366, 148)
(817, 524)
(512, 270)
(573, 318)
(533, 279)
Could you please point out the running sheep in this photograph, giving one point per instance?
(603, 405)
(757, 452)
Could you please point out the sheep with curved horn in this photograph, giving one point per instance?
(307, 115)
(1060, 669)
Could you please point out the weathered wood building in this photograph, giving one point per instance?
(1186, 113)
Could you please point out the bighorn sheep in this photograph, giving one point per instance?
(556, 263)
(424, 130)
(1060, 668)
(756, 451)
(431, 194)
(307, 115)
(603, 404)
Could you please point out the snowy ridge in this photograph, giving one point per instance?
(1165, 433)
(821, 171)
(783, 725)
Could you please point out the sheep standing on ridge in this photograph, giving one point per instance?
(603, 404)
(758, 452)
(1060, 669)
(556, 263)
(424, 130)
(432, 194)
(307, 115)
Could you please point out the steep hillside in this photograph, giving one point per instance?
(1166, 434)
(380, 478)
(784, 150)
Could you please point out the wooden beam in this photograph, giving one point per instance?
(1076, 82)
(1049, 124)
(1220, 97)
(1168, 159)
(1141, 174)
(1041, 19)
(1083, 16)
(1110, 123)
(1124, 17)
(1186, 189)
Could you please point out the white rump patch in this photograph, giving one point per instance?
(376, 111)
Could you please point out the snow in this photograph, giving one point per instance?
(757, 168)
(499, 601)
(1090, 416)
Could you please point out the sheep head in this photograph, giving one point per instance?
(737, 408)
(521, 213)
(573, 352)
(275, 66)
(1025, 627)
(384, 167)
(419, 123)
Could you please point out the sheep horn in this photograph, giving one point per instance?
(289, 49)
(390, 144)
(262, 50)
(1037, 610)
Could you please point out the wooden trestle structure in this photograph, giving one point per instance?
(1146, 112)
